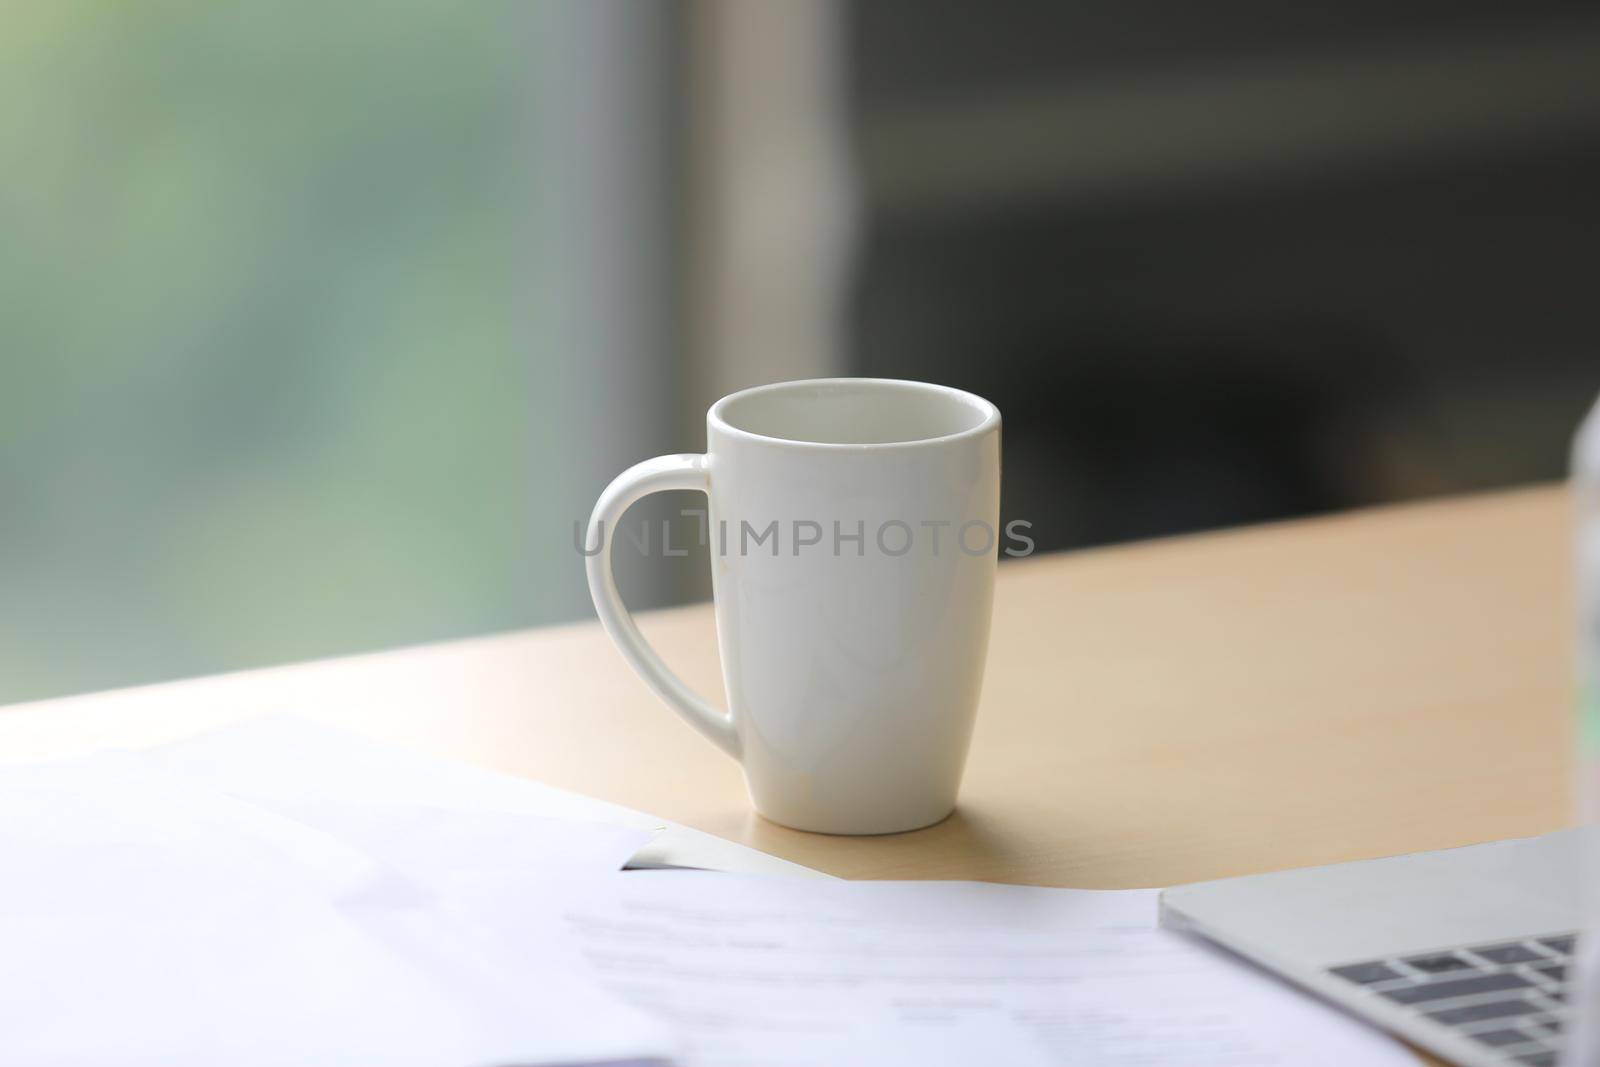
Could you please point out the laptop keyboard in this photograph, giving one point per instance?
(1508, 996)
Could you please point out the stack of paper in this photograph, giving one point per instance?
(277, 894)
(147, 920)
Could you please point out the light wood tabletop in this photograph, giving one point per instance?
(1307, 692)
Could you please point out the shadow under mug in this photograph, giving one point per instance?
(852, 525)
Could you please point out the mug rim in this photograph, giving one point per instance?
(989, 422)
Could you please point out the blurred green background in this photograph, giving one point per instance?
(273, 368)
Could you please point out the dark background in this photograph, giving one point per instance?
(1378, 286)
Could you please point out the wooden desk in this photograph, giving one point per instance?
(1372, 683)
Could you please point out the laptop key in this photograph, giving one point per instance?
(1501, 1038)
(1439, 964)
(1562, 945)
(1538, 1059)
(1474, 1013)
(1556, 972)
(1509, 954)
(1458, 987)
(1365, 973)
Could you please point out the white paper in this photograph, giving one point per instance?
(775, 972)
(439, 849)
(278, 894)
(145, 919)
(70, 832)
(281, 762)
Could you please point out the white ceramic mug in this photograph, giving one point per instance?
(852, 525)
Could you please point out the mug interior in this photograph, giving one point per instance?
(854, 411)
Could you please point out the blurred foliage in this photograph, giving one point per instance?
(262, 379)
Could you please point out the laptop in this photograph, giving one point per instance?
(1467, 952)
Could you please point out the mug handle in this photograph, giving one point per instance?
(639, 481)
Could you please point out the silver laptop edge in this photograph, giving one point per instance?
(1302, 923)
